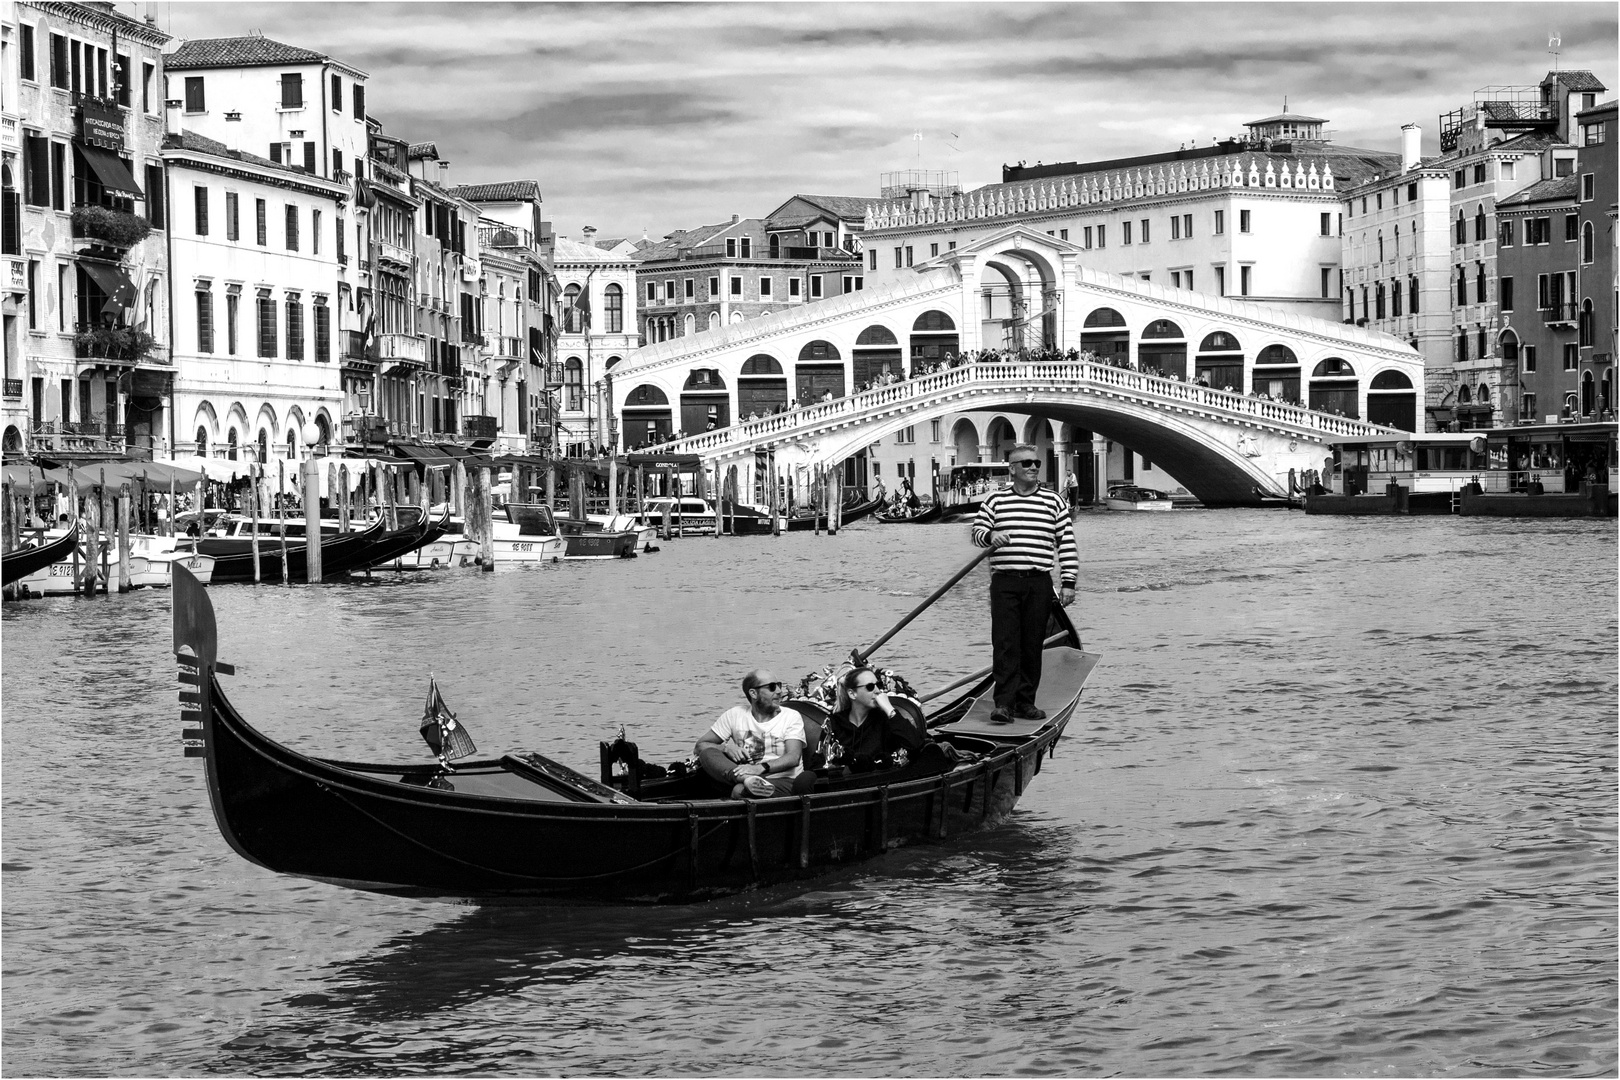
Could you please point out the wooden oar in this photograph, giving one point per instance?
(1055, 639)
(859, 656)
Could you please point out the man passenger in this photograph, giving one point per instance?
(755, 749)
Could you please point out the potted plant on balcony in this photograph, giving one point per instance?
(114, 227)
(125, 343)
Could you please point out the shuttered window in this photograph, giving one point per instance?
(295, 327)
(205, 321)
(200, 209)
(267, 323)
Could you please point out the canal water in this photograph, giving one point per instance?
(1341, 800)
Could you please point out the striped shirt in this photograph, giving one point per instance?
(1039, 526)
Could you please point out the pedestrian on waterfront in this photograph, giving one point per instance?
(1028, 529)
(756, 749)
(1071, 491)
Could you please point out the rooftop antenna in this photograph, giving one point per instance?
(918, 136)
(1554, 43)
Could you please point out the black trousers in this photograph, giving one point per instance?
(1020, 606)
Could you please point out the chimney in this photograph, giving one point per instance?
(734, 219)
(173, 125)
(1411, 147)
(231, 136)
(588, 236)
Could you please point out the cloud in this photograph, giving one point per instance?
(669, 115)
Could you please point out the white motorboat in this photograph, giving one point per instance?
(1131, 497)
(509, 545)
(151, 560)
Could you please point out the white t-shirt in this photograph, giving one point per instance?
(762, 741)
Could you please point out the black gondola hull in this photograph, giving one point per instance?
(24, 561)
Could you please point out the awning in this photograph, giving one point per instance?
(110, 170)
(114, 282)
(426, 456)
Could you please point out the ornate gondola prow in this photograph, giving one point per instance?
(196, 641)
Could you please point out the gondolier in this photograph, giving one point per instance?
(1028, 528)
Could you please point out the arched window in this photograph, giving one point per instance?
(292, 445)
(202, 442)
(264, 445)
(573, 321)
(574, 384)
(1380, 245)
(1482, 394)
(646, 395)
(1479, 223)
(1588, 393)
(714, 320)
(935, 321)
(1509, 345)
(1464, 397)
(819, 352)
(613, 310)
(776, 246)
(877, 335)
(1586, 324)
(689, 325)
(1391, 380)
(1161, 328)
(231, 443)
(1588, 248)
(760, 364)
(1333, 368)
(1395, 298)
(1276, 354)
(1462, 228)
(1219, 341)
(1103, 317)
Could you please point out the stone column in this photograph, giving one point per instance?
(1099, 467)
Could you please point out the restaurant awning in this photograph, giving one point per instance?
(428, 457)
(111, 171)
(114, 282)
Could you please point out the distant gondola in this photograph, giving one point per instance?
(525, 828)
(340, 553)
(923, 516)
(30, 560)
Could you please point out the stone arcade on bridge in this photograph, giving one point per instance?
(1278, 383)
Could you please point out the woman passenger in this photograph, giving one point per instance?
(866, 731)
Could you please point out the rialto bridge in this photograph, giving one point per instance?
(1203, 385)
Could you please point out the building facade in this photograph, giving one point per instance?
(1507, 139)
(716, 275)
(598, 317)
(255, 265)
(1396, 257)
(1599, 287)
(86, 331)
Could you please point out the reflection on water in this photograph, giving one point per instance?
(1340, 800)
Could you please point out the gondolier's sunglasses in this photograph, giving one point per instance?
(1029, 464)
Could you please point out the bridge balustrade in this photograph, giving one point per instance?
(1022, 376)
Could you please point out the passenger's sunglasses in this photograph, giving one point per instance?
(773, 687)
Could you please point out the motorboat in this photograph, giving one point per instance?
(583, 538)
(1131, 497)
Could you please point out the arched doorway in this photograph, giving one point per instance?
(761, 387)
(819, 372)
(1391, 401)
(1219, 363)
(1334, 388)
(1276, 374)
(264, 445)
(705, 402)
(647, 416)
(933, 340)
(1588, 393)
(1105, 336)
(1163, 350)
(1000, 437)
(202, 442)
(231, 440)
(13, 443)
(876, 354)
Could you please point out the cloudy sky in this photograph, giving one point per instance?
(653, 117)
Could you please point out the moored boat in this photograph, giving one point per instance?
(28, 561)
(582, 538)
(1131, 497)
(524, 827)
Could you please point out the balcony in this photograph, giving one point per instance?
(353, 345)
(113, 344)
(396, 255)
(552, 376)
(1562, 314)
(14, 388)
(478, 427)
(109, 227)
(401, 348)
(364, 428)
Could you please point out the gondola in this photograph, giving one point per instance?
(807, 522)
(340, 553)
(524, 828)
(30, 560)
(923, 516)
(422, 530)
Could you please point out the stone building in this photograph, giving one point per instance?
(256, 274)
(1395, 256)
(598, 331)
(1598, 285)
(86, 282)
(716, 275)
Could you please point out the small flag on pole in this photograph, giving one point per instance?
(441, 731)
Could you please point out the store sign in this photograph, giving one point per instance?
(101, 125)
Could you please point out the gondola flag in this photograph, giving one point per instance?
(441, 731)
